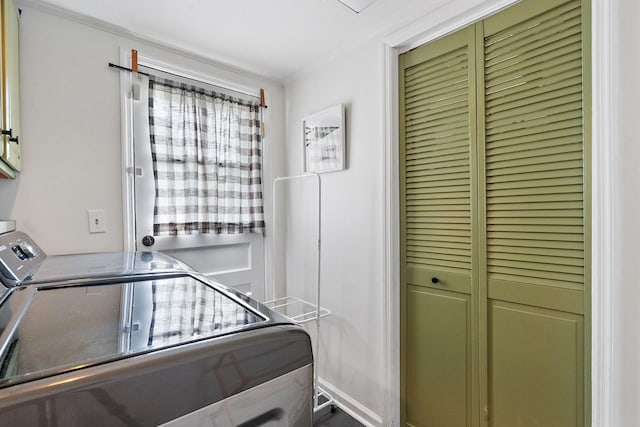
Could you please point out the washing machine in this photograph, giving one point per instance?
(140, 339)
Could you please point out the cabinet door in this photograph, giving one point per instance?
(5, 170)
(437, 84)
(536, 218)
(11, 84)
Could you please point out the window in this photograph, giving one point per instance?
(207, 160)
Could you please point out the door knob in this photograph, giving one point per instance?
(148, 240)
(434, 280)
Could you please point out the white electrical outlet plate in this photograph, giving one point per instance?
(97, 222)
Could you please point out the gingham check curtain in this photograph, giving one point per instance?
(207, 161)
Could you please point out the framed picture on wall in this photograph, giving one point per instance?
(324, 140)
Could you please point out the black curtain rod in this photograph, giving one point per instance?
(121, 68)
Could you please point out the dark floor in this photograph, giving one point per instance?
(339, 418)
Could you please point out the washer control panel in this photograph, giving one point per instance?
(20, 257)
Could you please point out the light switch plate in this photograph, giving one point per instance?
(97, 223)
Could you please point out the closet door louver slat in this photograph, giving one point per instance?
(534, 151)
(437, 163)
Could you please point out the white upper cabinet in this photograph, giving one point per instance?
(10, 91)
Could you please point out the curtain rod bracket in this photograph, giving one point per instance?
(134, 61)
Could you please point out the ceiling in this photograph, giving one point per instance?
(273, 38)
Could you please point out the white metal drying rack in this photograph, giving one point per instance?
(306, 311)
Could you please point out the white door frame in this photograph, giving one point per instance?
(444, 21)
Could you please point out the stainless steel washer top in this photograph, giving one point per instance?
(140, 339)
(64, 327)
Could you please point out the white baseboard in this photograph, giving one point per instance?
(352, 407)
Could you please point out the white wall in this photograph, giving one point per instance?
(626, 210)
(352, 221)
(71, 131)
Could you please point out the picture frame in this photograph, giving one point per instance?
(324, 142)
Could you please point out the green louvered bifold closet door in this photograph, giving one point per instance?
(438, 230)
(495, 222)
(536, 217)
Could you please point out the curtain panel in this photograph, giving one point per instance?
(207, 161)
